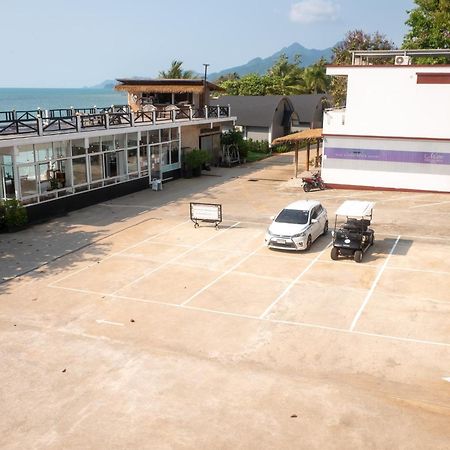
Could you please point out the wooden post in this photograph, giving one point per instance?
(317, 153)
(296, 159)
(308, 150)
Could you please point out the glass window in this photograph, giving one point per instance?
(293, 216)
(174, 153)
(174, 134)
(79, 171)
(119, 141)
(110, 164)
(44, 177)
(96, 167)
(27, 176)
(107, 143)
(132, 160)
(44, 152)
(78, 147)
(165, 151)
(8, 173)
(61, 149)
(26, 154)
(143, 140)
(132, 140)
(94, 145)
(143, 153)
(121, 164)
(165, 135)
(153, 137)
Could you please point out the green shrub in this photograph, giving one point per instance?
(283, 148)
(258, 146)
(196, 158)
(12, 214)
(236, 138)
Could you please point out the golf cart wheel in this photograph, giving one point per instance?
(308, 242)
(357, 256)
(325, 228)
(334, 253)
(322, 186)
(306, 187)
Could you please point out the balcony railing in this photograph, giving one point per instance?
(44, 122)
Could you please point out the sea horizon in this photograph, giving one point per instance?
(24, 99)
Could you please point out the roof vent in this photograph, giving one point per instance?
(402, 61)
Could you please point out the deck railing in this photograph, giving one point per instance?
(67, 120)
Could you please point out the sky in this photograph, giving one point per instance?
(62, 43)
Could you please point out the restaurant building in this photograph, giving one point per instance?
(58, 160)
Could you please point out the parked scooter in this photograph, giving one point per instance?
(313, 182)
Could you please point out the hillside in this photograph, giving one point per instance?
(261, 65)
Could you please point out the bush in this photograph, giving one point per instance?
(283, 148)
(235, 138)
(196, 158)
(258, 146)
(12, 214)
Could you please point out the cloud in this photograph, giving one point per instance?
(310, 11)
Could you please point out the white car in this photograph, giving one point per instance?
(297, 226)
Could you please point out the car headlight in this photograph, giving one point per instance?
(299, 235)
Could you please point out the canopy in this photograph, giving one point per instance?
(304, 135)
(355, 208)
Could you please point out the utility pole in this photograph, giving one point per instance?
(204, 84)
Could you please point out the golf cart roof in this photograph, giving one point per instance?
(355, 208)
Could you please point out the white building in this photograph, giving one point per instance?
(394, 132)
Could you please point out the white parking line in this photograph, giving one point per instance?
(175, 258)
(118, 253)
(224, 274)
(291, 284)
(266, 320)
(374, 285)
(118, 324)
(429, 204)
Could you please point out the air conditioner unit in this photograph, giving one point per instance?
(402, 60)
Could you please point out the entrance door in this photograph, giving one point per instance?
(155, 162)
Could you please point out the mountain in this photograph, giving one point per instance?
(261, 65)
(107, 84)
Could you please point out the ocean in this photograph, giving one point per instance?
(23, 99)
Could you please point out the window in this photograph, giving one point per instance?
(143, 153)
(132, 140)
(119, 141)
(293, 216)
(79, 171)
(26, 154)
(165, 154)
(132, 160)
(110, 164)
(27, 176)
(78, 147)
(165, 135)
(174, 152)
(94, 145)
(96, 167)
(153, 137)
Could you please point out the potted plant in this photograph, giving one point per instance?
(195, 159)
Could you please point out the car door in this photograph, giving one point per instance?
(315, 227)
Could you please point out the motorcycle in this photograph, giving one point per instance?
(313, 182)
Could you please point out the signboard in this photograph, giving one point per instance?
(206, 212)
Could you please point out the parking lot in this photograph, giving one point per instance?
(154, 334)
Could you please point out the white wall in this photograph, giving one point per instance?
(387, 101)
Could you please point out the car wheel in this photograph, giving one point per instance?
(372, 239)
(322, 186)
(306, 187)
(334, 253)
(308, 242)
(357, 256)
(325, 228)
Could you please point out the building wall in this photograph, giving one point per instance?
(388, 101)
(257, 133)
(387, 163)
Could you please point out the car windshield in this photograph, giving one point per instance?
(293, 216)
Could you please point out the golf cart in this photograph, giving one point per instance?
(354, 237)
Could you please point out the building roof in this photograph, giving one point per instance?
(307, 105)
(252, 110)
(164, 85)
(304, 135)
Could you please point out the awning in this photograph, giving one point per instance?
(305, 135)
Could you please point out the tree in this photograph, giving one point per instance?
(251, 84)
(429, 25)
(354, 40)
(286, 78)
(315, 78)
(227, 77)
(176, 71)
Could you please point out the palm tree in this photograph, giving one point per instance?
(176, 71)
(287, 77)
(316, 79)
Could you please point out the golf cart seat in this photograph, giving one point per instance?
(356, 225)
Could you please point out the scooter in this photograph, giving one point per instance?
(313, 182)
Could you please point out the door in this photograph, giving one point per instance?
(155, 163)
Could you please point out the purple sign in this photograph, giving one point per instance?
(387, 155)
